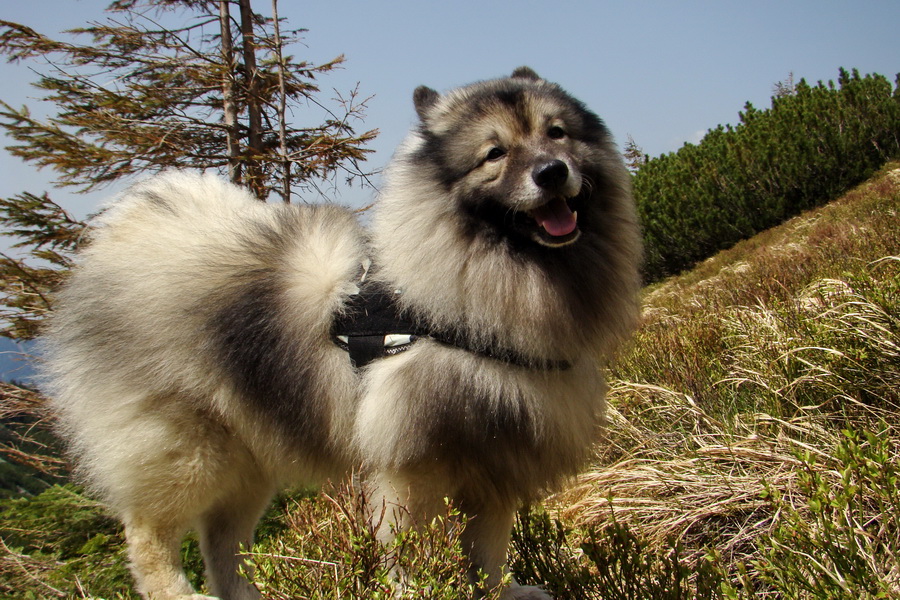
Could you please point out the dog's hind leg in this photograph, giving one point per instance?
(223, 530)
(176, 468)
(154, 550)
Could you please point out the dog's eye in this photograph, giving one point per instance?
(495, 153)
(556, 133)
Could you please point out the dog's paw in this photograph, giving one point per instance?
(525, 592)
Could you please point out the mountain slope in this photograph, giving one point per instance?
(755, 417)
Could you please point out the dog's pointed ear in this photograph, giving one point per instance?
(424, 98)
(525, 73)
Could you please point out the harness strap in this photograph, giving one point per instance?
(373, 326)
(505, 355)
(364, 349)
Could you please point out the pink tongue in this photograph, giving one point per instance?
(556, 218)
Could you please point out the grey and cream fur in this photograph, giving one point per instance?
(192, 364)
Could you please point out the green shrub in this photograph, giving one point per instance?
(328, 550)
(608, 562)
(809, 147)
(839, 539)
(63, 544)
(59, 542)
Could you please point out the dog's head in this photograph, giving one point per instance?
(518, 155)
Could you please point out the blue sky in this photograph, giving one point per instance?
(661, 71)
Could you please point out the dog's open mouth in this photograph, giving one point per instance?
(557, 223)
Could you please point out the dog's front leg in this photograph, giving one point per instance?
(399, 502)
(486, 540)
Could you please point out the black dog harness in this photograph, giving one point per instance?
(374, 326)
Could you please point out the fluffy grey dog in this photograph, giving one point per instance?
(198, 359)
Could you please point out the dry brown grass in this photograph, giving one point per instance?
(744, 374)
(24, 444)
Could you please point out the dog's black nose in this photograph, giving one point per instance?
(550, 175)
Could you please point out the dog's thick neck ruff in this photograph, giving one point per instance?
(374, 326)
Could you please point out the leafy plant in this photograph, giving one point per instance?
(608, 562)
(330, 550)
(839, 538)
(59, 543)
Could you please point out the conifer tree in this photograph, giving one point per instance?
(811, 145)
(203, 84)
(787, 87)
(635, 157)
(214, 93)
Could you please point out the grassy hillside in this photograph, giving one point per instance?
(755, 416)
(752, 452)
